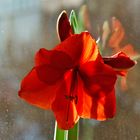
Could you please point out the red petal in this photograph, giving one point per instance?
(80, 47)
(37, 92)
(52, 65)
(97, 89)
(90, 49)
(64, 29)
(98, 104)
(42, 57)
(64, 106)
(56, 58)
(58, 63)
(98, 76)
(119, 61)
(121, 72)
(49, 74)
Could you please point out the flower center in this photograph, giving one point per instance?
(73, 91)
(71, 98)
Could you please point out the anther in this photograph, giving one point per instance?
(71, 98)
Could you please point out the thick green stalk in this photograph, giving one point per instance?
(60, 134)
(73, 133)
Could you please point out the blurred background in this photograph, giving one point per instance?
(26, 26)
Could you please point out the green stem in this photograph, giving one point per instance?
(73, 133)
(60, 134)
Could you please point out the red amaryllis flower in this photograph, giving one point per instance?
(118, 39)
(73, 81)
(118, 42)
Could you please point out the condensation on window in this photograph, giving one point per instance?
(26, 26)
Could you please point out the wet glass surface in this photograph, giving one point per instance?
(26, 26)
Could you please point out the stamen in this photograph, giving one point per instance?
(71, 98)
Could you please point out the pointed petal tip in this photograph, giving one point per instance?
(62, 14)
(63, 27)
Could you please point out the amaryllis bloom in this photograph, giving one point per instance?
(118, 41)
(73, 80)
